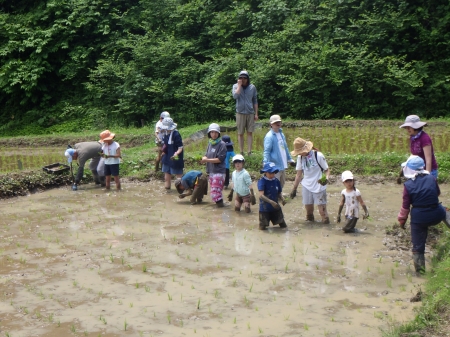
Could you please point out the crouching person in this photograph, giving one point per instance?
(269, 188)
(194, 184)
(242, 185)
(420, 191)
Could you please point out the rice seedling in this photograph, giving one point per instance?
(169, 319)
(169, 296)
(125, 325)
(198, 304)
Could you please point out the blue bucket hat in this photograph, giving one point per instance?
(227, 140)
(414, 163)
(69, 154)
(270, 167)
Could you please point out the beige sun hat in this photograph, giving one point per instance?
(301, 146)
(413, 121)
(274, 119)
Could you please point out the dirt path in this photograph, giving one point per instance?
(144, 263)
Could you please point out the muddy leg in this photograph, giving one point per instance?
(117, 181)
(108, 182)
(167, 180)
(158, 159)
(309, 212)
(324, 214)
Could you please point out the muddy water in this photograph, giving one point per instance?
(144, 263)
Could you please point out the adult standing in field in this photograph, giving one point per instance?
(420, 143)
(159, 138)
(276, 150)
(311, 165)
(172, 158)
(421, 199)
(216, 152)
(246, 98)
(82, 152)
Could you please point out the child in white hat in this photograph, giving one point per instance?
(351, 197)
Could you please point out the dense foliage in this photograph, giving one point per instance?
(77, 64)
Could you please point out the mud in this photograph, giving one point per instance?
(142, 262)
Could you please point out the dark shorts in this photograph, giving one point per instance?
(266, 217)
(112, 170)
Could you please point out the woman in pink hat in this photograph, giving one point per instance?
(420, 143)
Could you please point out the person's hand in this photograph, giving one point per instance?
(323, 183)
(283, 201)
(293, 194)
(253, 199)
(292, 163)
(256, 117)
(274, 204)
(204, 158)
(366, 216)
(239, 82)
(402, 223)
(230, 195)
(338, 218)
(181, 196)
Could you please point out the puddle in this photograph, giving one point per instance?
(144, 263)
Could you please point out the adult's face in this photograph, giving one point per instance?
(214, 135)
(243, 80)
(411, 131)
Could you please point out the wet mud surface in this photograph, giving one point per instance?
(142, 262)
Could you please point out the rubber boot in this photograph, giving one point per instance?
(283, 224)
(419, 263)
(102, 181)
(220, 203)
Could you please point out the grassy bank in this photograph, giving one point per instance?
(433, 317)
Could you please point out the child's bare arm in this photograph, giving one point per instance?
(361, 202)
(341, 206)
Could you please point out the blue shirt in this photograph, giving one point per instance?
(188, 180)
(271, 190)
(272, 150)
(230, 154)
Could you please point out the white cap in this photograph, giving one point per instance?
(238, 157)
(347, 175)
(213, 127)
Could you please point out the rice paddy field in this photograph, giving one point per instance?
(338, 141)
(26, 158)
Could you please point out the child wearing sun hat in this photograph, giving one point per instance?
(270, 189)
(111, 153)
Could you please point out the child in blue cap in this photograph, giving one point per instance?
(269, 188)
(420, 191)
(230, 154)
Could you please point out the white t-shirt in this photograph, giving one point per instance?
(311, 171)
(282, 149)
(111, 150)
(158, 127)
(351, 203)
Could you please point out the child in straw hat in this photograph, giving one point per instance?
(112, 155)
(311, 165)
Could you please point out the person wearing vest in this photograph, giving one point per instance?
(420, 198)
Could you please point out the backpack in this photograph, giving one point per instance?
(315, 156)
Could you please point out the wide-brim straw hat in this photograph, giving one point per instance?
(301, 146)
(413, 121)
(168, 124)
(106, 135)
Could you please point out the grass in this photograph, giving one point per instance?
(433, 316)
